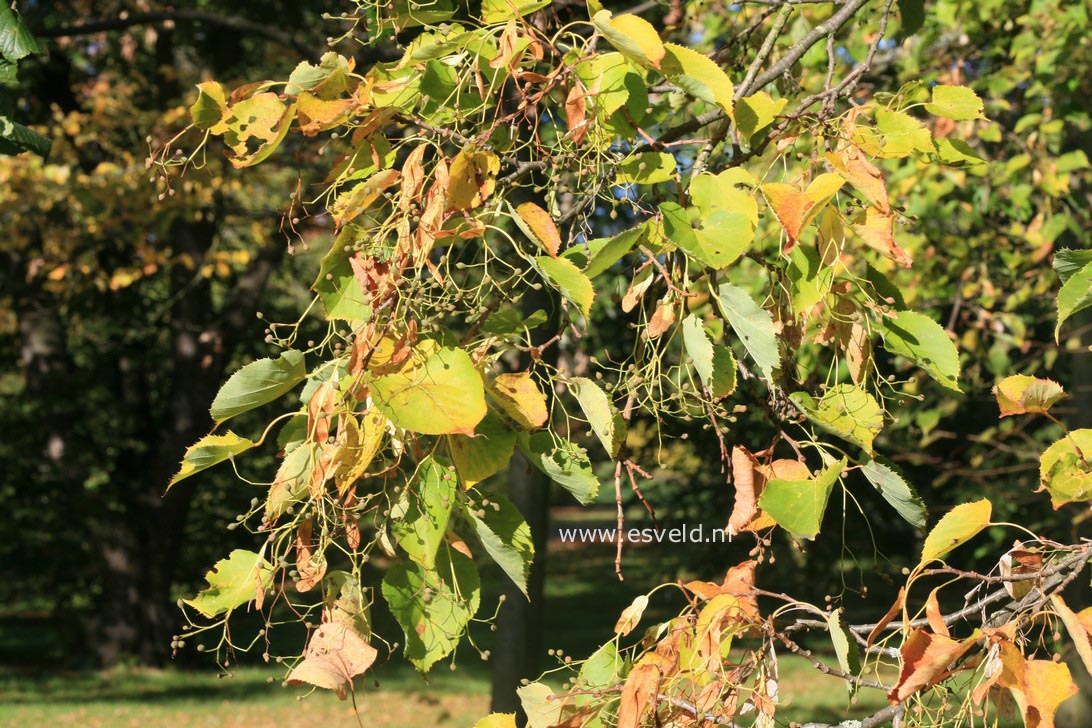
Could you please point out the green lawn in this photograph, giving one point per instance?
(139, 697)
(168, 698)
(583, 602)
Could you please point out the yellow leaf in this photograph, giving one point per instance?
(442, 396)
(473, 178)
(1078, 632)
(537, 224)
(1021, 394)
(358, 447)
(794, 209)
(519, 396)
(351, 203)
(317, 114)
(497, 720)
(958, 526)
(633, 36)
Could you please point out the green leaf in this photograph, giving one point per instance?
(566, 463)
(902, 134)
(602, 669)
(729, 191)
(912, 13)
(754, 113)
(810, 279)
(605, 252)
(337, 287)
(846, 411)
(1069, 481)
(233, 582)
(486, 453)
(958, 526)
(753, 324)
(955, 102)
(722, 239)
(925, 343)
(715, 365)
(433, 607)
(16, 138)
(442, 396)
(543, 711)
(505, 536)
(420, 516)
(1068, 261)
(16, 42)
(563, 275)
(605, 420)
(798, 505)
(1075, 295)
(646, 168)
(884, 288)
(330, 73)
(1063, 471)
(957, 153)
(500, 11)
(207, 111)
(258, 383)
(845, 646)
(891, 484)
(698, 76)
(208, 451)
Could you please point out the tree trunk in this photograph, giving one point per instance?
(519, 622)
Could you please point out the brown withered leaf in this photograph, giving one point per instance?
(319, 410)
(334, 656)
(576, 113)
(638, 694)
(894, 611)
(877, 229)
(927, 659)
(859, 171)
(311, 566)
(662, 319)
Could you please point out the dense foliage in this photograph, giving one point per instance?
(780, 246)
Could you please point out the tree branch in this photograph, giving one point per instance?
(102, 25)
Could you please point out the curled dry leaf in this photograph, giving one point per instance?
(576, 113)
(739, 582)
(335, 655)
(662, 319)
(310, 565)
(1018, 561)
(641, 281)
(319, 409)
(631, 615)
(895, 609)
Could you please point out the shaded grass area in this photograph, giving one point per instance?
(584, 598)
(141, 697)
